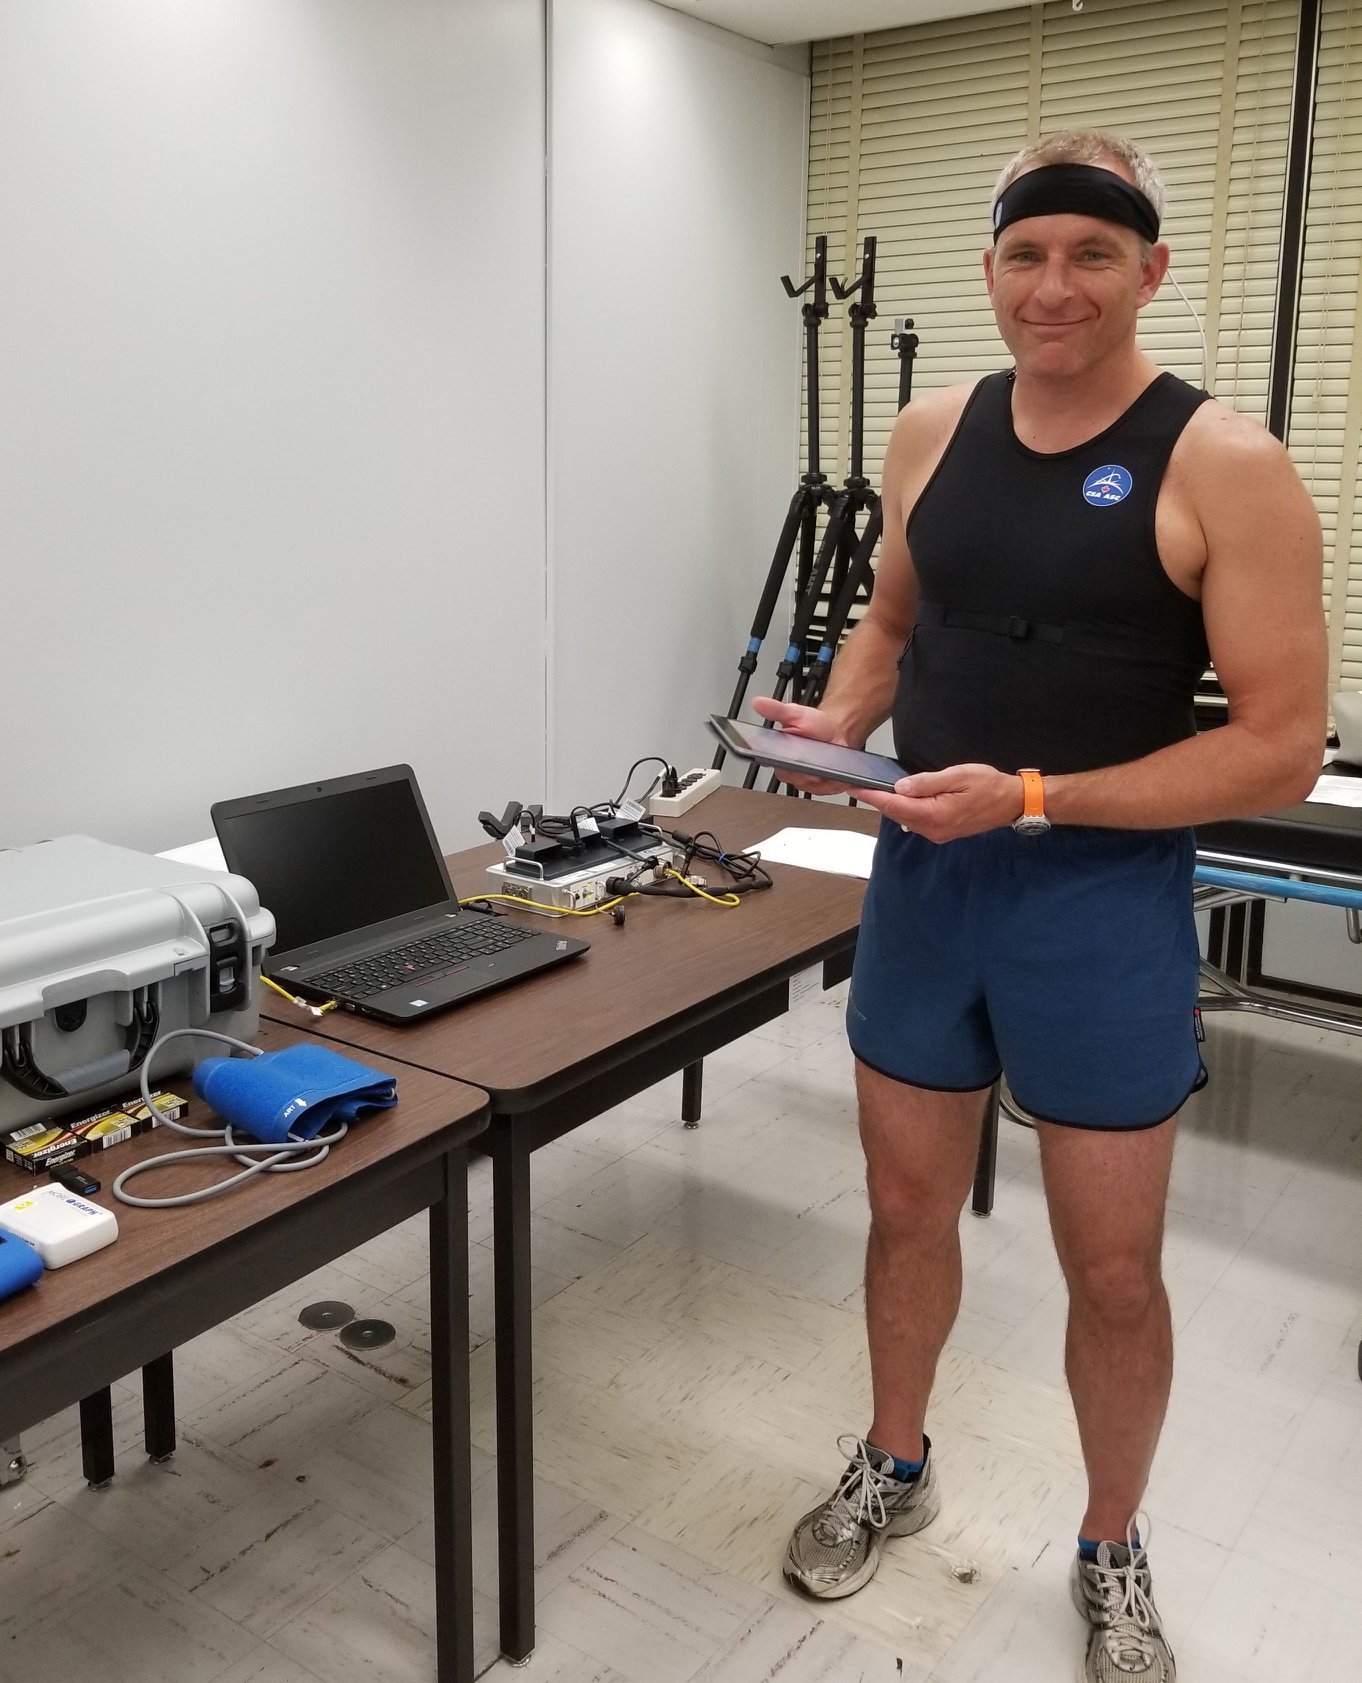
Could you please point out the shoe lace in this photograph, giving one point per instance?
(1124, 1605)
(859, 1497)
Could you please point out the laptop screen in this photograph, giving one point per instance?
(330, 860)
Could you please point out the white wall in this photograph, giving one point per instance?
(271, 405)
(676, 202)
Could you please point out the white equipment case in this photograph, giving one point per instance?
(102, 949)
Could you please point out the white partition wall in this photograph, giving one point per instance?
(271, 405)
(675, 188)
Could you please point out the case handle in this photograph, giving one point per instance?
(21, 1068)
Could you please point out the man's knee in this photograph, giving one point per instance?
(1117, 1289)
(906, 1203)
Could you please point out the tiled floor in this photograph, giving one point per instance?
(698, 1349)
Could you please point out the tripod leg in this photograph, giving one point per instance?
(860, 577)
(789, 668)
(775, 577)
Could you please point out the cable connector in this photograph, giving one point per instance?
(689, 790)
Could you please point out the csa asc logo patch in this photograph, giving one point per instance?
(1105, 485)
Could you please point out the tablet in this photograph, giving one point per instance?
(782, 750)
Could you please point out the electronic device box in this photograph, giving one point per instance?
(565, 874)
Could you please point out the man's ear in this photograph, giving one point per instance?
(988, 269)
(1153, 268)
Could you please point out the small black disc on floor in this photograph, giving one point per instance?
(367, 1335)
(326, 1317)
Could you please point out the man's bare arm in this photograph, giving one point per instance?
(1261, 604)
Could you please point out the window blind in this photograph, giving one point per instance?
(909, 128)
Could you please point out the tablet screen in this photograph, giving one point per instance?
(784, 751)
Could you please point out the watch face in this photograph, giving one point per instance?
(1031, 826)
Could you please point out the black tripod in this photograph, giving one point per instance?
(831, 566)
(801, 521)
(860, 577)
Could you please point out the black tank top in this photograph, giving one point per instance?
(1048, 633)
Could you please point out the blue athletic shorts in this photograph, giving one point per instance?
(1066, 961)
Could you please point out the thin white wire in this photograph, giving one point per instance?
(258, 1158)
(1200, 327)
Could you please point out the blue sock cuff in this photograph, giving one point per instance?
(1087, 1546)
(908, 1469)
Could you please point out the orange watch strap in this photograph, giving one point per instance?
(1033, 793)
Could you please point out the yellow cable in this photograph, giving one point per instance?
(553, 911)
(302, 1004)
(714, 899)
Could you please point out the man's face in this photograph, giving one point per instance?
(1067, 290)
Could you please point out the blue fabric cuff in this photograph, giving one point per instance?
(294, 1094)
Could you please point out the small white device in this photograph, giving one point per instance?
(690, 789)
(61, 1226)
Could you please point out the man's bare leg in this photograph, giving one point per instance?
(1106, 1193)
(921, 1148)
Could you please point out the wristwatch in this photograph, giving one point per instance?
(1033, 821)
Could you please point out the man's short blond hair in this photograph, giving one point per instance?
(1087, 146)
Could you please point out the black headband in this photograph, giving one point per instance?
(1075, 190)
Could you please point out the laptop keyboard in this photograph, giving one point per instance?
(426, 960)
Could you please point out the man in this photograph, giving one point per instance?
(1063, 545)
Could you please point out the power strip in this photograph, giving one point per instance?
(690, 790)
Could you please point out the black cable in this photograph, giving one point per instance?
(668, 771)
(745, 871)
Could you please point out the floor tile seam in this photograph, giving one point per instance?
(292, 1357)
(930, 1654)
(61, 1593)
(181, 1590)
(27, 1511)
(186, 1433)
(261, 1642)
(295, 1613)
(1259, 1303)
(1297, 1578)
(156, 1562)
(275, 1481)
(1283, 1254)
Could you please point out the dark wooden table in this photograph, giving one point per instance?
(675, 983)
(172, 1274)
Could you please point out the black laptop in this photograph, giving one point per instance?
(365, 910)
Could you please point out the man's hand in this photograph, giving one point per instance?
(945, 805)
(804, 721)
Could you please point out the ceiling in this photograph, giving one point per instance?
(780, 21)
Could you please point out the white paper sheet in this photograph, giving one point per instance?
(843, 853)
(1337, 791)
(205, 853)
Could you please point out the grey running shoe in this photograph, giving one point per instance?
(1115, 1594)
(835, 1548)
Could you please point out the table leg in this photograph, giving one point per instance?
(692, 1085)
(515, 1379)
(450, 1426)
(96, 1438)
(986, 1170)
(158, 1407)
